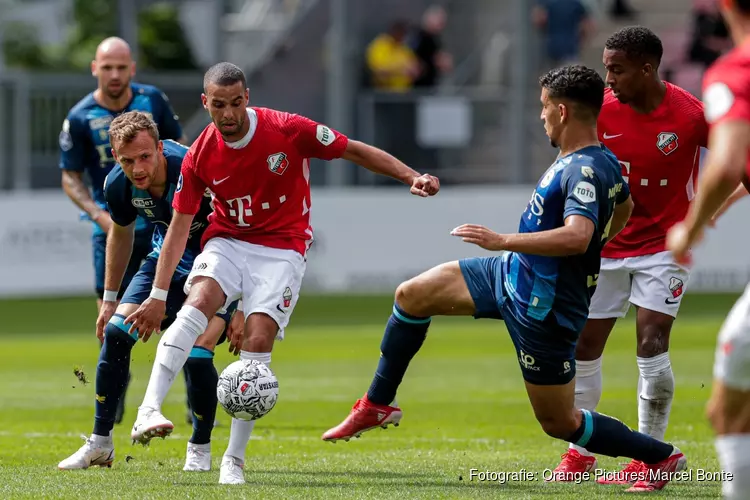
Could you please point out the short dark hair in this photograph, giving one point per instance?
(637, 42)
(224, 74)
(581, 85)
(743, 5)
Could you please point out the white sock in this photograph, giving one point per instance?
(588, 390)
(173, 351)
(735, 460)
(655, 395)
(241, 430)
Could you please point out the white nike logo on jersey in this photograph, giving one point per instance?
(610, 136)
(216, 183)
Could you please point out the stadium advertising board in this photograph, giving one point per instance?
(367, 241)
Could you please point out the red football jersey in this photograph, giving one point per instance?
(260, 188)
(660, 157)
(726, 87)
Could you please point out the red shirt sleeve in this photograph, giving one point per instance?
(189, 193)
(314, 140)
(724, 96)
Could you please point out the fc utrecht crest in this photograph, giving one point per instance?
(667, 142)
(277, 163)
(675, 286)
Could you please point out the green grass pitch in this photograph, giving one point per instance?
(463, 399)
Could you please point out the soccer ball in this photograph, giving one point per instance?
(247, 390)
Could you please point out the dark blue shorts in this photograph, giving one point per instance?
(141, 248)
(140, 288)
(546, 351)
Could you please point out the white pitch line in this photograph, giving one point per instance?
(47, 435)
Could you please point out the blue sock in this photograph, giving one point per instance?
(404, 335)
(202, 379)
(605, 435)
(112, 373)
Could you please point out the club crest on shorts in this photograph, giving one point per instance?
(675, 286)
(667, 142)
(287, 296)
(277, 163)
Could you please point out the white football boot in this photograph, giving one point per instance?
(149, 424)
(94, 452)
(232, 471)
(198, 458)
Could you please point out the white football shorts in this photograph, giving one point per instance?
(654, 282)
(267, 279)
(732, 361)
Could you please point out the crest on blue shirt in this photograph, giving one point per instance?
(66, 141)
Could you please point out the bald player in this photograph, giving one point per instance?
(85, 148)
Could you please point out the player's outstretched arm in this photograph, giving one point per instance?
(75, 188)
(571, 239)
(729, 142)
(736, 196)
(378, 161)
(119, 248)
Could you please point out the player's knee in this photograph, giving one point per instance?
(412, 298)
(558, 426)
(653, 338)
(117, 331)
(205, 295)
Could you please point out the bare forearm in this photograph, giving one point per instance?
(77, 191)
(119, 250)
(619, 221)
(716, 187)
(557, 242)
(380, 162)
(736, 196)
(171, 254)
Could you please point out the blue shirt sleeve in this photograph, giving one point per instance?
(165, 117)
(582, 192)
(121, 209)
(74, 140)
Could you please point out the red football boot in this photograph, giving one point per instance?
(363, 417)
(656, 476)
(573, 465)
(630, 474)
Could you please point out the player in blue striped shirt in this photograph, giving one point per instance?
(541, 286)
(142, 185)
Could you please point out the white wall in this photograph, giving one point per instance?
(366, 240)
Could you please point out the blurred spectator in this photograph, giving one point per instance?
(428, 47)
(710, 37)
(622, 9)
(392, 64)
(566, 25)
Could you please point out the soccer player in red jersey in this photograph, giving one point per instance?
(656, 130)
(254, 163)
(726, 94)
